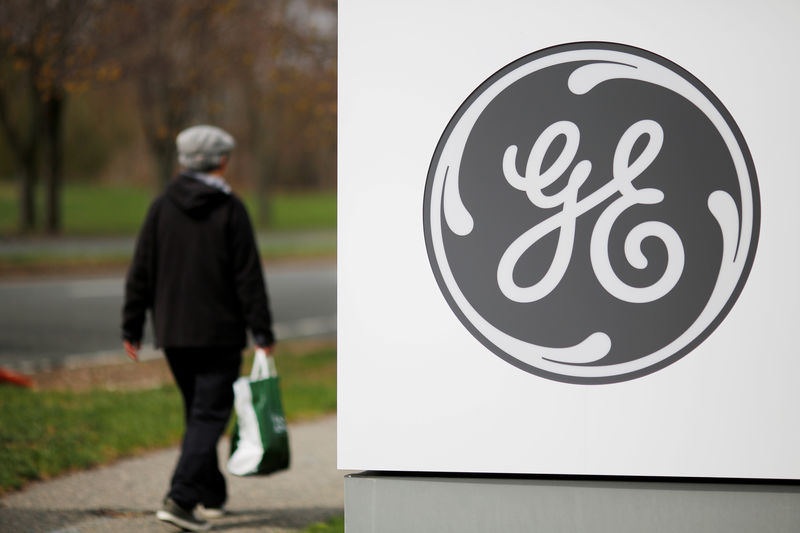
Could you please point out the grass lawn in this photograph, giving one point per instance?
(308, 381)
(334, 525)
(87, 210)
(298, 211)
(95, 210)
(48, 432)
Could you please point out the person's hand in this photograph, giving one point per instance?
(267, 349)
(132, 349)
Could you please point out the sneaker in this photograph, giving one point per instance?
(175, 514)
(211, 512)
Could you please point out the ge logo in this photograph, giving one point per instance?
(591, 213)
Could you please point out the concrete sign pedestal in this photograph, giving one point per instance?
(402, 503)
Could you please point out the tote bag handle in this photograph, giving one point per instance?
(263, 366)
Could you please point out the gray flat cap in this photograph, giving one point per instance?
(202, 147)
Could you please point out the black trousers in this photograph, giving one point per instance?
(205, 378)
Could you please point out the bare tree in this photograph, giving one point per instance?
(178, 54)
(292, 85)
(50, 47)
(22, 134)
(191, 59)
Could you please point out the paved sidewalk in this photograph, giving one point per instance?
(122, 497)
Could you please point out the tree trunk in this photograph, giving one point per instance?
(27, 194)
(162, 113)
(24, 144)
(53, 115)
(264, 143)
(165, 153)
(267, 168)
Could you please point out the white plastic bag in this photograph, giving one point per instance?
(260, 442)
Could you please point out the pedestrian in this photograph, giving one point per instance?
(197, 269)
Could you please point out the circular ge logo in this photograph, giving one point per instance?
(591, 213)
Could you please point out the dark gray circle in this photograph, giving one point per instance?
(693, 162)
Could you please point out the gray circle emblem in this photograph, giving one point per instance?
(591, 213)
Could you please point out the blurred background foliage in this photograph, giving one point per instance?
(93, 93)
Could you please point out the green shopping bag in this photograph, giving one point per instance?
(260, 442)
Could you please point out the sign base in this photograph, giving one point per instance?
(403, 502)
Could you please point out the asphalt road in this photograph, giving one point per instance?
(44, 323)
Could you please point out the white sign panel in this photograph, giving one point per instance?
(567, 238)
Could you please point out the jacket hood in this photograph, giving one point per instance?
(194, 196)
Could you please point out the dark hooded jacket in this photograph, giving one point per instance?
(197, 268)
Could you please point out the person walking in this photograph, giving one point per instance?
(197, 269)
